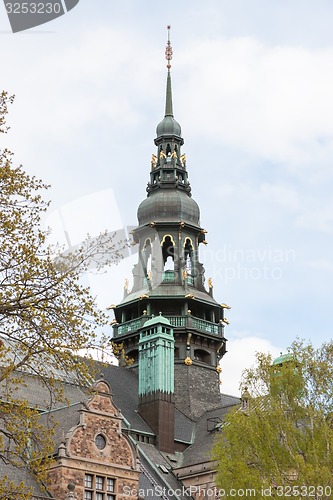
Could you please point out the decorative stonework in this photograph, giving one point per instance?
(83, 451)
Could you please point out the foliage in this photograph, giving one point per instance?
(46, 315)
(119, 353)
(282, 440)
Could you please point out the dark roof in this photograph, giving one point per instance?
(228, 400)
(42, 363)
(184, 427)
(169, 205)
(65, 419)
(124, 388)
(172, 291)
(17, 475)
(157, 475)
(204, 435)
(34, 390)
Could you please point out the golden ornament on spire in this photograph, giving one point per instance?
(168, 50)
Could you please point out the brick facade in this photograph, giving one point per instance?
(79, 454)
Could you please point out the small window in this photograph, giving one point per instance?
(99, 488)
(110, 484)
(99, 483)
(88, 481)
(100, 441)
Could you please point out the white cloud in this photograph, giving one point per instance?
(273, 102)
(241, 355)
(317, 218)
(282, 194)
(108, 286)
(91, 214)
(320, 265)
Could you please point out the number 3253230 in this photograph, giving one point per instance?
(33, 8)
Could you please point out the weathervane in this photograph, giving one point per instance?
(168, 50)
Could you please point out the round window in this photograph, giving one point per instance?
(100, 441)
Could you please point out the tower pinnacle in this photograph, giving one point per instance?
(169, 277)
(168, 50)
(168, 57)
(168, 127)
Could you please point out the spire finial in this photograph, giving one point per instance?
(168, 50)
(168, 57)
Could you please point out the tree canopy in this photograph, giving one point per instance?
(46, 315)
(280, 442)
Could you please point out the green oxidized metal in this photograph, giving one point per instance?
(156, 357)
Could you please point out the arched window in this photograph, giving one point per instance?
(146, 257)
(188, 257)
(168, 252)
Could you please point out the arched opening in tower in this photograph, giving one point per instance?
(146, 257)
(188, 258)
(168, 253)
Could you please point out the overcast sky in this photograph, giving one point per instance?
(252, 88)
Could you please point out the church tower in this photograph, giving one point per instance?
(169, 279)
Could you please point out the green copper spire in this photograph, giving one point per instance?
(168, 102)
(168, 126)
(168, 56)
